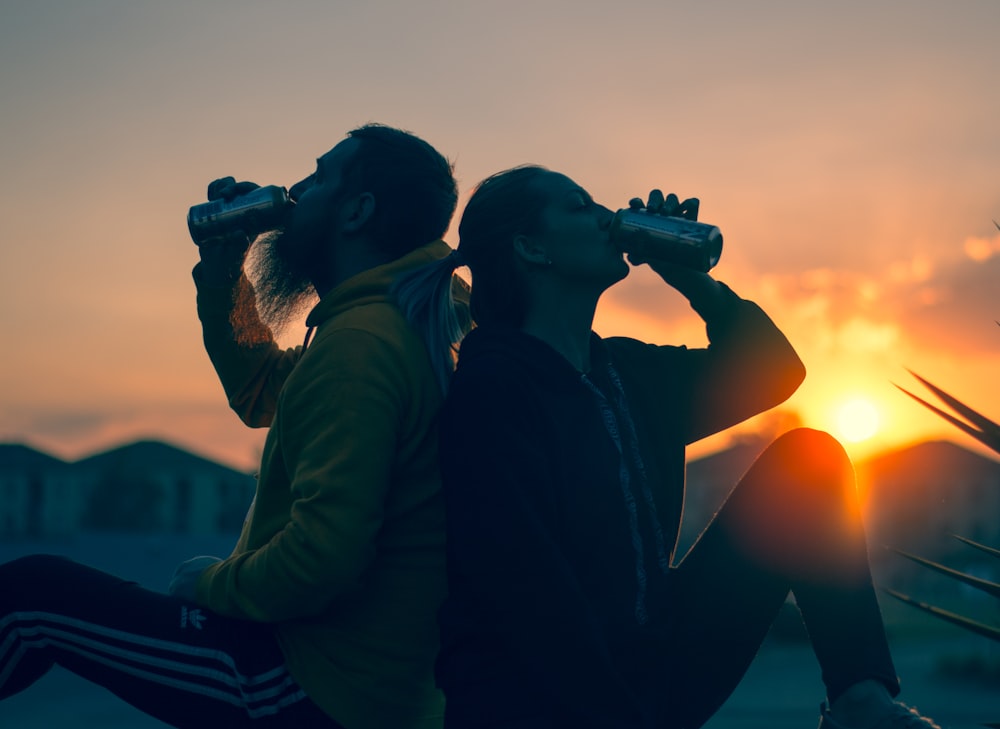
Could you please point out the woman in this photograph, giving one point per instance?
(563, 466)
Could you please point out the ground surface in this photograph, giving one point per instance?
(781, 691)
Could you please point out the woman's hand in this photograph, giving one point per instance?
(670, 205)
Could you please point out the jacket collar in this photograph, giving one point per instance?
(372, 286)
(545, 363)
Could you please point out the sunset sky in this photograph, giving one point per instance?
(848, 151)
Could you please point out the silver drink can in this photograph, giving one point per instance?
(667, 238)
(260, 210)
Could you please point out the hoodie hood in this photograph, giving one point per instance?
(372, 286)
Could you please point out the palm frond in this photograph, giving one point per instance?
(974, 424)
(977, 545)
(975, 626)
(987, 586)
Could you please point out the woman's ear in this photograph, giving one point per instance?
(359, 210)
(531, 251)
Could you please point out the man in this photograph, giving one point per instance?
(324, 614)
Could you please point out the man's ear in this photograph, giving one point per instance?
(528, 249)
(359, 210)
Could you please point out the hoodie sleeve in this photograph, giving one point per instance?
(505, 557)
(339, 429)
(250, 365)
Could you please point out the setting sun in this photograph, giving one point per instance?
(857, 420)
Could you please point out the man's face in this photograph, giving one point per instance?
(286, 263)
(315, 219)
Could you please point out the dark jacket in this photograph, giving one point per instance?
(564, 495)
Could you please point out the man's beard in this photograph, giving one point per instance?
(284, 292)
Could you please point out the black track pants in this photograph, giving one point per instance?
(792, 524)
(167, 657)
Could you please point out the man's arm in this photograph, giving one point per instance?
(250, 365)
(337, 436)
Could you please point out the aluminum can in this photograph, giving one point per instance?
(260, 210)
(667, 238)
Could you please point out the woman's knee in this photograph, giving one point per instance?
(809, 459)
(797, 508)
(802, 480)
(816, 446)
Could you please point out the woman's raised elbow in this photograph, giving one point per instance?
(795, 375)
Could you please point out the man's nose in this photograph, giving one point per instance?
(296, 190)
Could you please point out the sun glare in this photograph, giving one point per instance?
(857, 420)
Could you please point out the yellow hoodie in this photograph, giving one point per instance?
(343, 548)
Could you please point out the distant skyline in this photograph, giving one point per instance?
(958, 442)
(848, 151)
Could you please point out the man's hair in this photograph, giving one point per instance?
(503, 206)
(413, 184)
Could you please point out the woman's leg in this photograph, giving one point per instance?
(793, 522)
(169, 658)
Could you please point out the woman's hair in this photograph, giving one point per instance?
(501, 207)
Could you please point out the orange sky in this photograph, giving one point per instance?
(848, 151)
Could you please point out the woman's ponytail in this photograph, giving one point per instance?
(426, 298)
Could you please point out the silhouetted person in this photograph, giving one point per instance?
(563, 463)
(324, 614)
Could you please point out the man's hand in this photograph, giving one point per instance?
(185, 579)
(227, 188)
(222, 257)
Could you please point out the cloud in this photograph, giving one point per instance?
(919, 303)
(955, 309)
(982, 249)
(913, 304)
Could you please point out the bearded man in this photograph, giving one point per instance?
(324, 613)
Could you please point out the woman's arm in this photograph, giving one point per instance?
(748, 367)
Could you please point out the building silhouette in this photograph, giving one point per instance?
(146, 486)
(914, 498)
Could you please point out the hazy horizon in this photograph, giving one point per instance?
(958, 440)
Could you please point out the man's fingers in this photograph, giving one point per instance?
(226, 188)
(220, 188)
(689, 208)
(242, 188)
(670, 205)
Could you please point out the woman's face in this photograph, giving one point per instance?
(575, 235)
